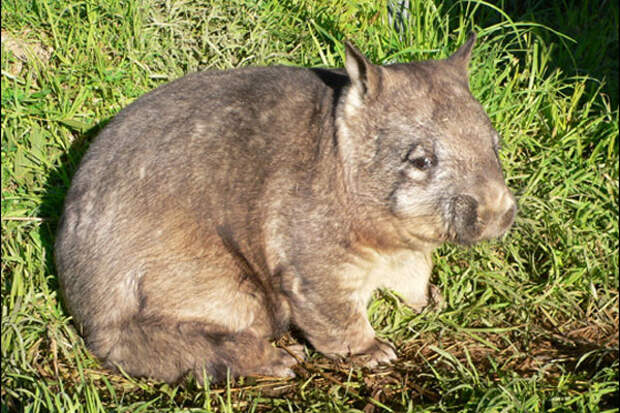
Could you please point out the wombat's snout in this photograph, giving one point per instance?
(483, 216)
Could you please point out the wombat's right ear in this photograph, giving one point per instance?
(462, 56)
(363, 74)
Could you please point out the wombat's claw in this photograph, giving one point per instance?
(436, 301)
(379, 353)
(277, 372)
(297, 351)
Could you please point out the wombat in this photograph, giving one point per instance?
(223, 208)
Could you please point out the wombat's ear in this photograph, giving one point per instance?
(363, 74)
(461, 57)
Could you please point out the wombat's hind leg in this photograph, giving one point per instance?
(169, 349)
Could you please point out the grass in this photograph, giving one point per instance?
(531, 323)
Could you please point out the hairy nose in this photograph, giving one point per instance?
(464, 211)
(509, 207)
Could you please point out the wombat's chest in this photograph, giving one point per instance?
(401, 271)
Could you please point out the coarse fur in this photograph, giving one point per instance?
(220, 209)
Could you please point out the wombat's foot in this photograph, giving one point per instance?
(282, 361)
(380, 352)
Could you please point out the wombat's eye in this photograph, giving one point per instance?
(423, 162)
(419, 158)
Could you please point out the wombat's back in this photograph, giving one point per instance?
(188, 148)
(205, 122)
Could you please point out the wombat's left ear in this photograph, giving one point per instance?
(461, 57)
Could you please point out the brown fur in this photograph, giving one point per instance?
(221, 208)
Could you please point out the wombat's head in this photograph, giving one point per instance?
(419, 153)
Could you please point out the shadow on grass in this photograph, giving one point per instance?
(56, 187)
(593, 25)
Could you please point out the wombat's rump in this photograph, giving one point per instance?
(221, 208)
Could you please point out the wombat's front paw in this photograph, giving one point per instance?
(433, 300)
(379, 352)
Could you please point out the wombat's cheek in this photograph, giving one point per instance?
(418, 215)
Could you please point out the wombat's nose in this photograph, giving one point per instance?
(505, 209)
(509, 216)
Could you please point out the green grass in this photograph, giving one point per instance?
(531, 323)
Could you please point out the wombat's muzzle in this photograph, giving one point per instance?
(474, 220)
